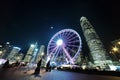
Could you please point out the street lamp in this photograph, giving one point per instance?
(1, 52)
(119, 42)
(115, 49)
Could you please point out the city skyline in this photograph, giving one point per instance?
(25, 22)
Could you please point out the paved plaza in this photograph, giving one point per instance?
(13, 74)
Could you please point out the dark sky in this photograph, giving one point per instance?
(24, 21)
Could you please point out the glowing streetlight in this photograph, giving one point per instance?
(115, 49)
(1, 52)
(119, 42)
(59, 42)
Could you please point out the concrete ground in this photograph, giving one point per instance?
(15, 74)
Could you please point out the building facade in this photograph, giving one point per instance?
(12, 54)
(29, 54)
(94, 43)
(7, 48)
(40, 53)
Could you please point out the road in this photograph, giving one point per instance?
(53, 75)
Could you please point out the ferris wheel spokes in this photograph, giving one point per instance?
(66, 45)
(72, 38)
(72, 45)
(69, 36)
(71, 50)
(56, 54)
(52, 52)
(73, 41)
(67, 54)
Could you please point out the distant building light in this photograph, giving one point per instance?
(17, 48)
(42, 53)
(2, 61)
(112, 68)
(0, 45)
(32, 45)
(18, 58)
(7, 42)
(0, 52)
(36, 49)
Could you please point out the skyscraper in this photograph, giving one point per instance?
(19, 56)
(1, 51)
(12, 54)
(7, 48)
(35, 53)
(40, 53)
(94, 43)
(29, 54)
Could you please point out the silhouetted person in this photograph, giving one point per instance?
(6, 64)
(48, 67)
(37, 70)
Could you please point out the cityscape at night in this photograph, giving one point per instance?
(52, 40)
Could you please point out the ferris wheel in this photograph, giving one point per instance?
(65, 44)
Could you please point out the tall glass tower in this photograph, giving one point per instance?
(7, 48)
(35, 53)
(29, 54)
(40, 53)
(12, 54)
(94, 43)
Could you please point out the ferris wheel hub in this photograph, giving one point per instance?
(59, 42)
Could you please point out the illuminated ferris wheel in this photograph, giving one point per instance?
(66, 44)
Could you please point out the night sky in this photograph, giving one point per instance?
(23, 22)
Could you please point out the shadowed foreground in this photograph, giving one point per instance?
(53, 75)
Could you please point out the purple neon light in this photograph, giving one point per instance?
(57, 53)
(72, 38)
(72, 45)
(71, 49)
(52, 51)
(73, 42)
(67, 54)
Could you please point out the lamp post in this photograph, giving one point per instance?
(114, 52)
(115, 49)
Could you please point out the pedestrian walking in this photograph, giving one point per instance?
(37, 70)
(48, 67)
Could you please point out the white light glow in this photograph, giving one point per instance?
(119, 42)
(59, 42)
(112, 68)
(0, 45)
(32, 45)
(7, 42)
(16, 48)
(1, 52)
(42, 53)
(36, 49)
(115, 49)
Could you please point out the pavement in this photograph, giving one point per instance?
(16, 74)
